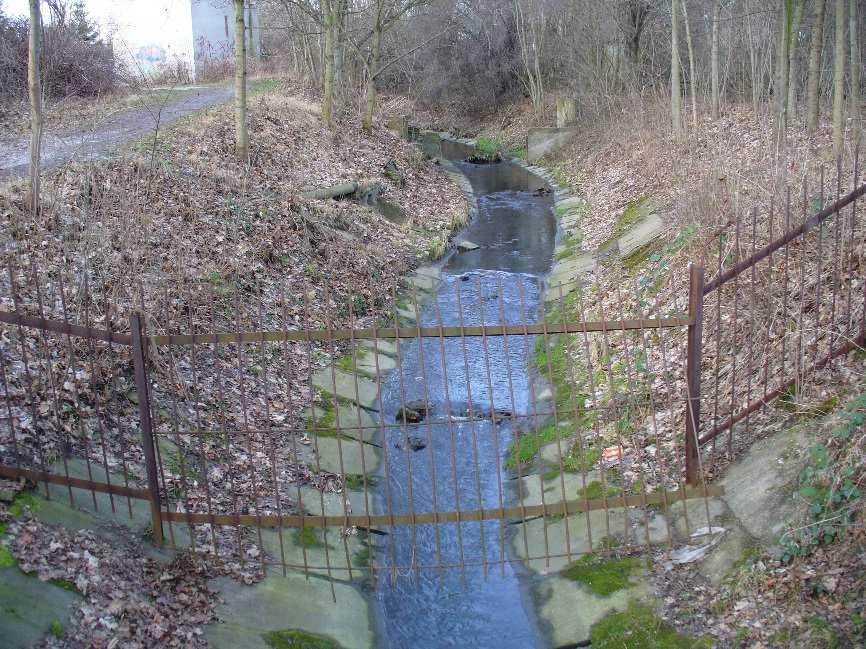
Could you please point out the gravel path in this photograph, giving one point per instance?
(110, 133)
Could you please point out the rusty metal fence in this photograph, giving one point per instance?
(785, 299)
(478, 420)
(454, 432)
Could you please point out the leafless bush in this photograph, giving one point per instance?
(70, 66)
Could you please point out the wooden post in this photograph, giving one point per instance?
(139, 356)
(693, 372)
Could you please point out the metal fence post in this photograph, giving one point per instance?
(693, 372)
(139, 360)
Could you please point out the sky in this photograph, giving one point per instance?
(96, 8)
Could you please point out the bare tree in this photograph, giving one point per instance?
(814, 77)
(840, 47)
(692, 77)
(242, 139)
(34, 86)
(856, 67)
(676, 91)
(714, 59)
(530, 35)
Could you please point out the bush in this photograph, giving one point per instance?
(71, 65)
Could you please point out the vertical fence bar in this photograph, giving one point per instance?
(693, 372)
(139, 352)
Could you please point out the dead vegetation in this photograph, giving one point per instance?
(177, 230)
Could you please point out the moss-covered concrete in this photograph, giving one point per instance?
(248, 613)
(30, 609)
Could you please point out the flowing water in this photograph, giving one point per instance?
(465, 591)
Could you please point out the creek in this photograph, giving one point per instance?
(466, 589)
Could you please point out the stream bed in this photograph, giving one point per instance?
(457, 584)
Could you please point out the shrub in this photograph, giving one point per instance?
(71, 65)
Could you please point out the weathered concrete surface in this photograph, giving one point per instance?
(287, 602)
(345, 456)
(382, 345)
(567, 274)
(568, 609)
(647, 230)
(759, 504)
(29, 606)
(541, 141)
(348, 386)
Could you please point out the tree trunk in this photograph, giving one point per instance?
(815, 50)
(856, 68)
(714, 59)
(692, 80)
(676, 96)
(839, 79)
(373, 69)
(242, 140)
(34, 86)
(251, 46)
(783, 61)
(328, 99)
(793, 70)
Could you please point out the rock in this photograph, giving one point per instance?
(413, 443)
(467, 246)
(412, 412)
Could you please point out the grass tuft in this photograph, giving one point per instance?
(640, 627)
(298, 639)
(603, 576)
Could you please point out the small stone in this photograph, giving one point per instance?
(413, 443)
(467, 246)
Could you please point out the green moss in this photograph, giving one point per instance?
(824, 408)
(637, 258)
(603, 576)
(56, 629)
(640, 628)
(348, 363)
(581, 460)
(596, 491)
(323, 421)
(24, 503)
(65, 584)
(571, 243)
(355, 481)
(6, 558)
(308, 537)
(297, 639)
(635, 212)
(523, 449)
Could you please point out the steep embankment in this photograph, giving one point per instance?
(177, 228)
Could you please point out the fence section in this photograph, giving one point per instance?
(451, 432)
(785, 297)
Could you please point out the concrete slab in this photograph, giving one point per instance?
(643, 232)
(348, 386)
(541, 141)
(28, 607)
(357, 458)
(291, 602)
(568, 609)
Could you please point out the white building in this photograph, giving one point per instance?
(155, 35)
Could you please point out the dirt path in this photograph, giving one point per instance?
(108, 134)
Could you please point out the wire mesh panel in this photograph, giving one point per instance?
(786, 298)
